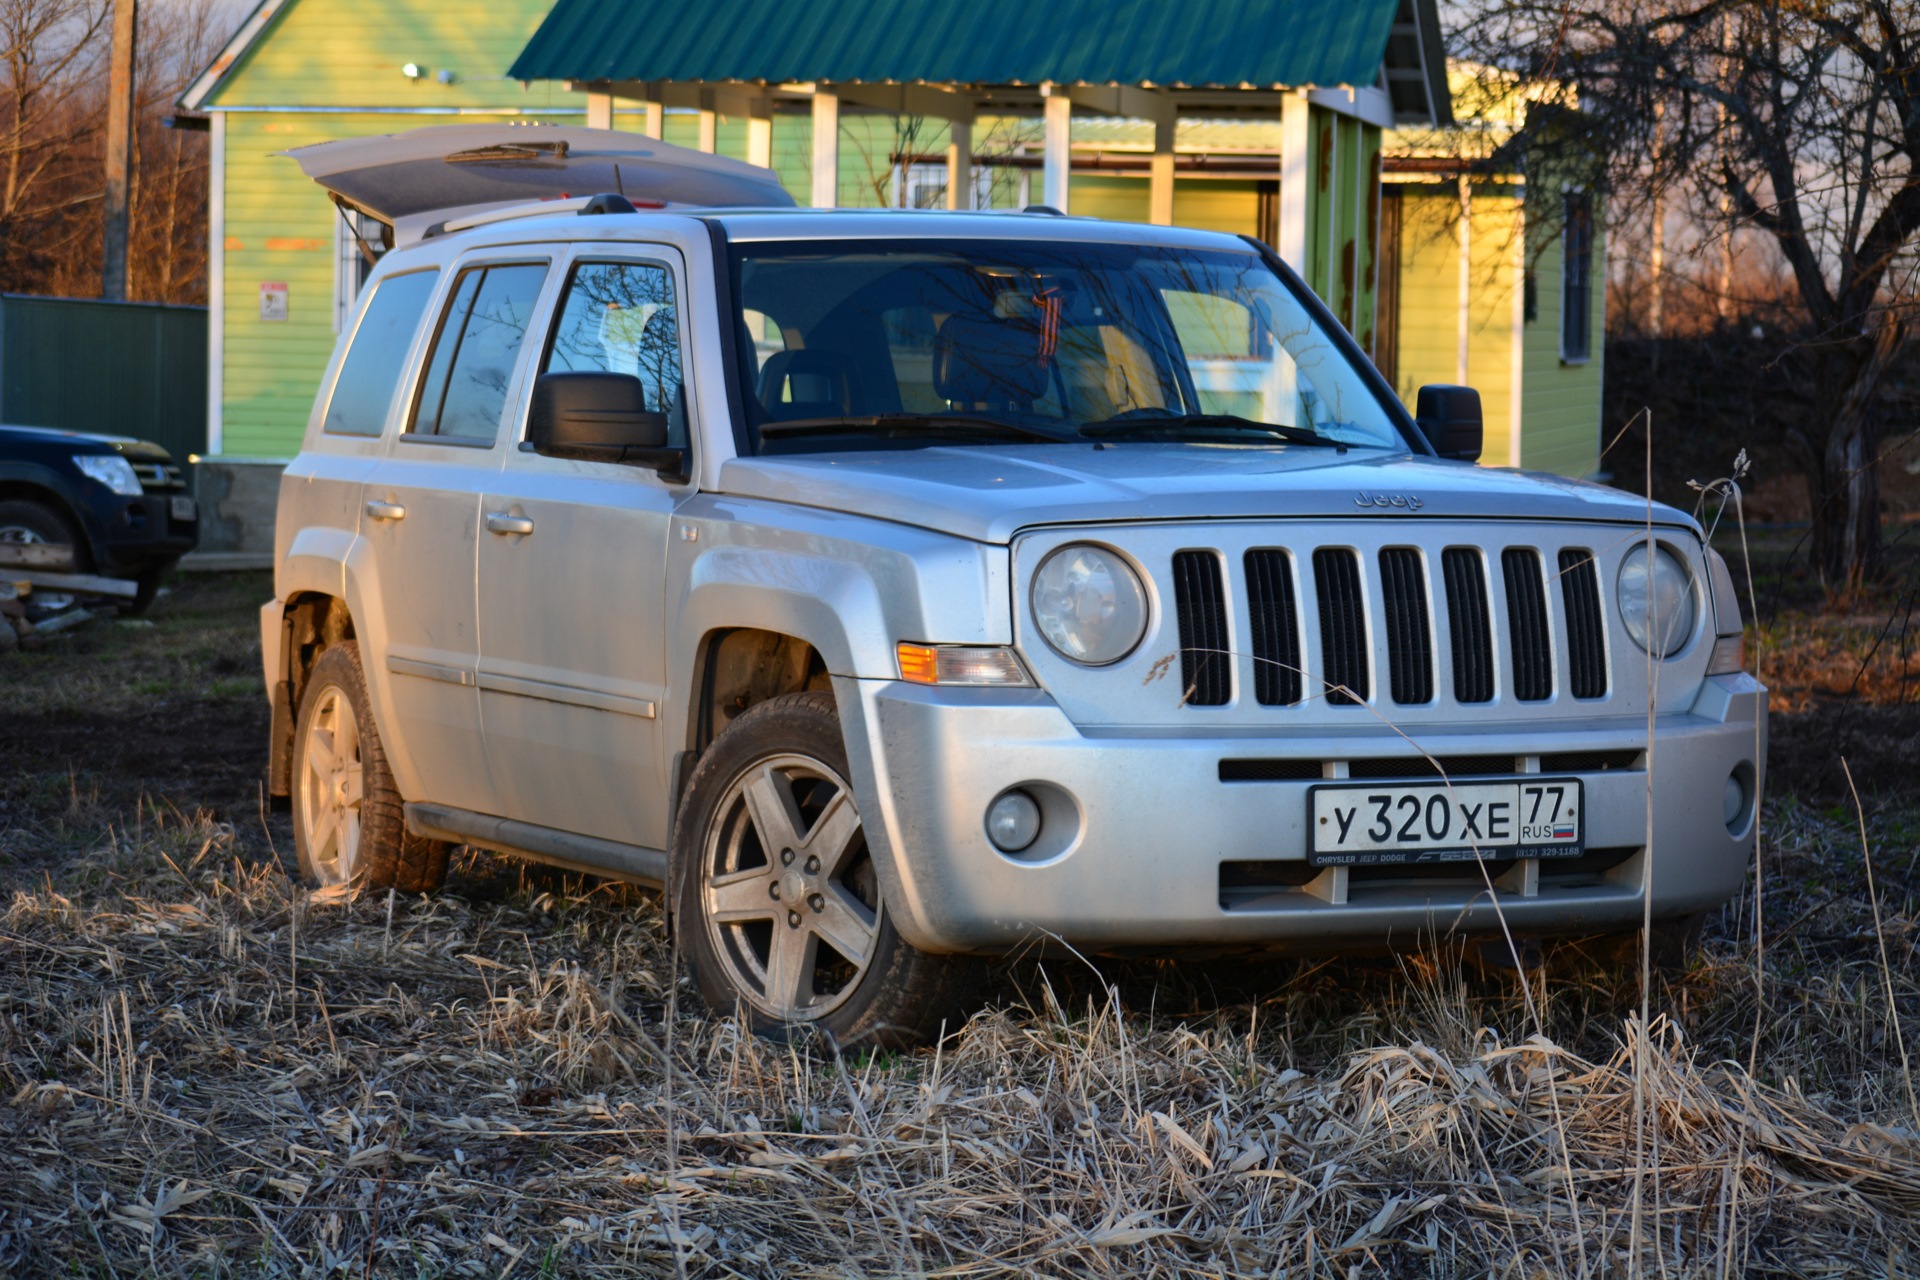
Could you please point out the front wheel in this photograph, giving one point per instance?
(348, 822)
(778, 902)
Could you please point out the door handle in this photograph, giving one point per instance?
(386, 510)
(501, 522)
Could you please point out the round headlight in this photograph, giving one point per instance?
(1089, 604)
(1656, 600)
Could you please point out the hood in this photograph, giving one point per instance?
(424, 176)
(54, 435)
(989, 493)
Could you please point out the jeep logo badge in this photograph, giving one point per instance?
(1404, 501)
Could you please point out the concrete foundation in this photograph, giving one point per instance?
(238, 500)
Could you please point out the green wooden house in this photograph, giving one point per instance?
(1496, 278)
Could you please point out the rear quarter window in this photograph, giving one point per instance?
(377, 354)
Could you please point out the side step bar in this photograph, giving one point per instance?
(563, 849)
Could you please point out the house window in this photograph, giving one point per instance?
(350, 264)
(1576, 279)
(924, 186)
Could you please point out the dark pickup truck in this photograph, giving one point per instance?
(122, 504)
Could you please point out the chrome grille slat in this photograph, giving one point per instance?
(1276, 627)
(1206, 661)
(1343, 626)
(1403, 582)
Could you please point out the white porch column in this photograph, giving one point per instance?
(1160, 172)
(826, 150)
(1296, 182)
(960, 164)
(1058, 156)
(760, 136)
(216, 280)
(656, 121)
(599, 110)
(709, 128)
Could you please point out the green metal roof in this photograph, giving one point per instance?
(1191, 44)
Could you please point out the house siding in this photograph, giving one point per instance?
(1429, 301)
(1561, 401)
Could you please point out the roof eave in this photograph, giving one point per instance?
(209, 81)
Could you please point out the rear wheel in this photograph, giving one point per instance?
(780, 907)
(348, 821)
(22, 520)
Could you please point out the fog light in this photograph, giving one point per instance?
(1013, 822)
(1737, 805)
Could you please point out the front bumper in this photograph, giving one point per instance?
(132, 534)
(1142, 824)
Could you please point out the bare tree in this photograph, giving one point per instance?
(1798, 120)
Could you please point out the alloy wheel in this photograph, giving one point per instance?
(330, 788)
(50, 601)
(788, 890)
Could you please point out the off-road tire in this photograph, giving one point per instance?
(49, 524)
(904, 995)
(389, 856)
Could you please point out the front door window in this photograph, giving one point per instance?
(620, 317)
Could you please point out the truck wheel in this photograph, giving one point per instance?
(347, 818)
(780, 910)
(24, 520)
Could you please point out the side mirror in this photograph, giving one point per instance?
(1449, 417)
(599, 417)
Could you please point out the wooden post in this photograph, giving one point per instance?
(709, 128)
(826, 150)
(113, 256)
(959, 164)
(656, 121)
(1160, 172)
(1296, 182)
(760, 135)
(1057, 159)
(599, 110)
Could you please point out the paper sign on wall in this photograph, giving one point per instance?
(273, 300)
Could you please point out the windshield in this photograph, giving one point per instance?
(903, 343)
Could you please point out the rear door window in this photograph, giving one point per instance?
(465, 389)
(377, 354)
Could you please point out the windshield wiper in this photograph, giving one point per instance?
(926, 423)
(1146, 425)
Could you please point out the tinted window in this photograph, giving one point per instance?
(474, 353)
(1044, 338)
(619, 317)
(377, 354)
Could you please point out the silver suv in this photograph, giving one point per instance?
(900, 588)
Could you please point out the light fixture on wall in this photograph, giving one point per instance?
(411, 71)
(444, 75)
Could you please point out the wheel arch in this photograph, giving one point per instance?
(27, 486)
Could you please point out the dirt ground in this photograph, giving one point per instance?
(207, 1070)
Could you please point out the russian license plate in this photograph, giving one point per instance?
(182, 508)
(1362, 826)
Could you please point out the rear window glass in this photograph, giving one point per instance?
(377, 354)
(465, 390)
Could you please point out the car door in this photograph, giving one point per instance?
(573, 667)
(420, 526)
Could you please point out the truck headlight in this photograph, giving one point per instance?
(111, 470)
(1656, 600)
(1089, 604)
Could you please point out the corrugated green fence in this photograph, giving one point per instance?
(129, 368)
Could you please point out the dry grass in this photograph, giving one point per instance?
(205, 1070)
